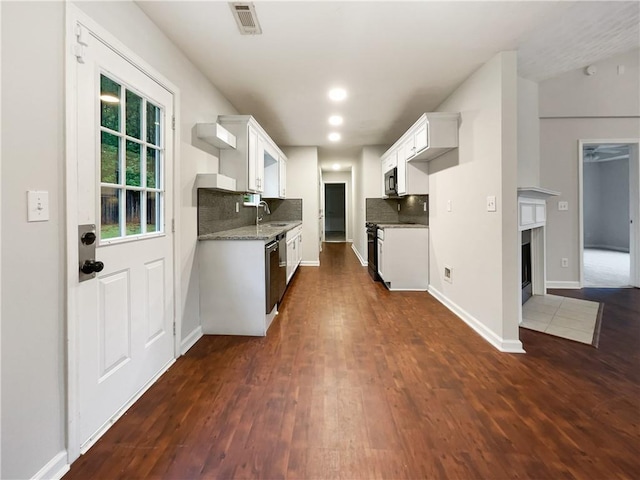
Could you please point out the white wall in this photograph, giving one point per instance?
(528, 134)
(33, 417)
(302, 182)
(33, 410)
(574, 106)
(343, 177)
(605, 94)
(367, 172)
(480, 246)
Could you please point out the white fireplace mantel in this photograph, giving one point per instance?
(536, 192)
(532, 206)
(532, 215)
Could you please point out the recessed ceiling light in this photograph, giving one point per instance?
(334, 136)
(335, 166)
(335, 120)
(337, 94)
(107, 98)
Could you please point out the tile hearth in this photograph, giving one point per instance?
(564, 317)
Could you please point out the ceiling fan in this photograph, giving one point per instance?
(605, 152)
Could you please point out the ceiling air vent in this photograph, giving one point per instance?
(246, 18)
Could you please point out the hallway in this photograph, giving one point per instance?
(354, 381)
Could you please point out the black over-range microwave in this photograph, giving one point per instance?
(391, 182)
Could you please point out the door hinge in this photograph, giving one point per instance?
(173, 122)
(174, 329)
(82, 41)
(173, 225)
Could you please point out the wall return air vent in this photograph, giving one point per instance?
(246, 18)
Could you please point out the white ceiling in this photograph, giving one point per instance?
(396, 59)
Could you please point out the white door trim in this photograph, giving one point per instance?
(74, 16)
(347, 230)
(634, 277)
(0, 238)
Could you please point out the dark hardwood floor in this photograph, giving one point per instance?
(354, 381)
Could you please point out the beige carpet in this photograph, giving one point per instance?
(606, 268)
(564, 317)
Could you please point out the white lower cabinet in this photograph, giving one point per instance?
(294, 250)
(232, 287)
(403, 258)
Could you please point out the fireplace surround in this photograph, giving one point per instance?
(532, 220)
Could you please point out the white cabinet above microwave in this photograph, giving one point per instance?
(429, 137)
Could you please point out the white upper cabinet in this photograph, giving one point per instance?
(429, 137)
(433, 134)
(255, 162)
(275, 164)
(254, 166)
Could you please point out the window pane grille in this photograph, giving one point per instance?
(131, 163)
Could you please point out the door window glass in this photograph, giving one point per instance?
(131, 163)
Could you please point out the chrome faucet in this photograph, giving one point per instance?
(265, 205)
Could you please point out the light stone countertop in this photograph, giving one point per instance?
(266, 232)
(402, 225)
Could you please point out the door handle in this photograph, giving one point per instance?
(91, 266)
(87, 263)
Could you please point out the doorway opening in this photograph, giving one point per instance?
(335, 208)
(609, 207)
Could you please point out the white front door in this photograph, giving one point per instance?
(124, 316)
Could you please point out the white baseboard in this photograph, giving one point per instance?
(608, 247)
(567, 285)
(363, 262)
(310, 263)
(55, 468)
(508, 346)
(191, 340)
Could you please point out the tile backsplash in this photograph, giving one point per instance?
(382, 210)
(217, 211)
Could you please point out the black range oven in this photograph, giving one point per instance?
(372, 249)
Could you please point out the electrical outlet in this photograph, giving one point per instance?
(237, 207)
(491, 203)
(563, 206)
(565, 262)
(448, 274)
(448, 205)
(424, 206)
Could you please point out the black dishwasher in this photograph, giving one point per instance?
(275, 266)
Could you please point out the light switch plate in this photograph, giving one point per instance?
(448, 205)
(491, 203)
(37, 206)
(563, 206)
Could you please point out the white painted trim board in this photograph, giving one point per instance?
(346, 207)
(362, 261)
(567, 285)
(507, 346)
(191, 340)
(310, 263)
(634, 274)
(55, 468)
